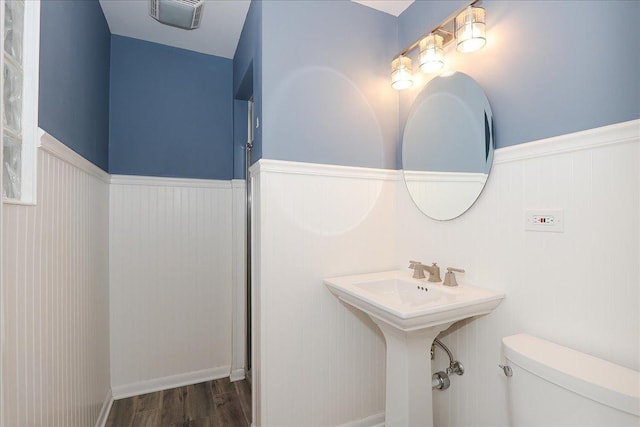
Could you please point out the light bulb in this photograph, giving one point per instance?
(431, 57)
(401, 73)
(470, 29)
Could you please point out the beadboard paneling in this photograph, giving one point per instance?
(55, 292)
(257, 319)
(317, 361)
(578, 288)
(171, 282)
(239, 290)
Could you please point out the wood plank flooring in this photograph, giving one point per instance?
(209, 404)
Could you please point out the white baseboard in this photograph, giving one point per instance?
(237, 375)
(376, 420)
(172, 381)
(104, 411)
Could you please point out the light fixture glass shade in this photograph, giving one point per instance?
(401, 73)
(470, 29)
(431, 57)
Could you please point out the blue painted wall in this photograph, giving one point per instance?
(74, 77)
(325, 83)
(171, 112)
(324, 69)
(247, 82)
(549, 67)
(240, 136)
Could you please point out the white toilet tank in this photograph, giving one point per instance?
(553, 385)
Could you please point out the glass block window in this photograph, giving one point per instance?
(20, 33)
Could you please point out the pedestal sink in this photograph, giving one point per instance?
(411, 313)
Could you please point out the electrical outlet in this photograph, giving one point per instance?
(544, 220)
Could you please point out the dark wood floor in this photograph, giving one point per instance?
(208, 404)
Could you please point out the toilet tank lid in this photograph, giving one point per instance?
(589, 376)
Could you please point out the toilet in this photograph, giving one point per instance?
(552, 385)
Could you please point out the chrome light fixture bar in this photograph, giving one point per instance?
(467, 26)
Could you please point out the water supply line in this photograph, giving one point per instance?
(440, 380)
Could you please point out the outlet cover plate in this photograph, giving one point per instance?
(544, 220)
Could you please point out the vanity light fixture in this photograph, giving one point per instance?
(431, 57)
(470, 29)
(466, 26)
(401, 73)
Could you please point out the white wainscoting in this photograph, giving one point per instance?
(578, 288)
(239, 279)
(171, 273)
(257, 322)
(55, 293)
(317, 361)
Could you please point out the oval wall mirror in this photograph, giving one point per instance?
(447, 146)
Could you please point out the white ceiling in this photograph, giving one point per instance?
(219, 31)
(392, 7)
(220, 27)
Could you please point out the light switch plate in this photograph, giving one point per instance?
(544, 220)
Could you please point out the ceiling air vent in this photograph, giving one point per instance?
(178, 13)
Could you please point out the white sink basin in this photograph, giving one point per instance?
(410, 313)
(411, 304)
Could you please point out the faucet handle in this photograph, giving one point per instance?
(418, 269)
(450, 277)
(414, 264)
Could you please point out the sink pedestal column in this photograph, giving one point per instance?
(408, 391)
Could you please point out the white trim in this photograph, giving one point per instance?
(317, 169)
(258, 392)
(29, 116)
(104, 411)
(19, 202)
(169, 182)
(172, 381)
(30, 90)
(238, 183)
(56, 148)
(2, 320)
(237, 375)
(618, 133)
(376, 420)
(239, 280)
